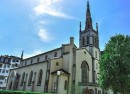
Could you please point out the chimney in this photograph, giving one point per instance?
(71, 40)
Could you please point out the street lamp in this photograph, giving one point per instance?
(58, 73)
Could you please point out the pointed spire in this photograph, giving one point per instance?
(80, 26)
(88, 17)
(88, 8)
(97, 27)
(22, 55)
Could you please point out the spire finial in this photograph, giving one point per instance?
(80, 26)
(88, 8)
(88, 17)
(97, 27)
(22, 55)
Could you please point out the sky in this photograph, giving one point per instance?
(37, 26)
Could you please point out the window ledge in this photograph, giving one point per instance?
(29, 84)
(38, 84)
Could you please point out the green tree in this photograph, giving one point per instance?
(115, 65)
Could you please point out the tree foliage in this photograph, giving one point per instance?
(115, 65)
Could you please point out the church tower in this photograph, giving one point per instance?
(89, 37)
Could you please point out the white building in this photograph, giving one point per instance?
(64, 70)
(7, 63)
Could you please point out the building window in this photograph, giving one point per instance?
(4, 66)
(65, 85)
(0, 65)
(38, 59)
(87, 39)
(2, 59)
(83, 41)
(55, 54)
(1, 82)
(3, 71)
(30, 78)
(8, 66)
(31, 61)
(40, 77)
(85, 72)
(6, 71)
(95, 42)
(9, 60)
(13, 65)
(13, 60)
(99, 91)
(96, 54)
(2, 77)
(17, 60)
(96, 66)
(6, 60)
(25, 63)
(16, 65)
(46, 57)
(22, 80)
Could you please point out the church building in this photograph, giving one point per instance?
(65, 70)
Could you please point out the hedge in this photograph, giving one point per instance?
(20, 92)
(17, 92)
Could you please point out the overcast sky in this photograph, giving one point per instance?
(37, 26)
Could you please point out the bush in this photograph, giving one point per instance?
(17, 92)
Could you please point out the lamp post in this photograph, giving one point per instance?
(58, 73)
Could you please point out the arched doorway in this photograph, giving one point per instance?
(91, 91)
(87, 91)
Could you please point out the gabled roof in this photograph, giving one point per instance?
(42, 53)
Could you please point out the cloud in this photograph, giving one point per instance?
(50, 7)
(42, 22)
(44, 35)
(35, 52)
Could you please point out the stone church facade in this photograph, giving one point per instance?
(64, 70)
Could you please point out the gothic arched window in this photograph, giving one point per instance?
(55, 54)
(83, 41)
(95, 41)
(22, 80)
(38, 59)
(39, 81)
(31, 61)
(30, 78)
(46, 57)
(87, 39)
(85, 72)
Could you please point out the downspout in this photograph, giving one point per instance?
(68, 85)
(47, 76)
